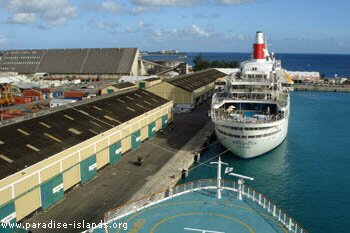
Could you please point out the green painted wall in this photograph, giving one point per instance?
(152, 130)
(135, 140)
(88, 169)
(51, 191)
(115, 152)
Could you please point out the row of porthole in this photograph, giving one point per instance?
(22, 57)
(20, 63)
(250, 136)
(240, 128)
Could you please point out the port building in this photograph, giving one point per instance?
(43, 157)
(187, 91)
(78, 63)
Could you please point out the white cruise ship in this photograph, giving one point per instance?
(251, 112)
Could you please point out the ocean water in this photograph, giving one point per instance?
(326, 64)
(308, 175)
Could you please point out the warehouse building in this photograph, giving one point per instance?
(187, 91)
(43, 157)
(77, 63)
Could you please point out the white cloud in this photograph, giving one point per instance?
(165, 2)
(23, 18)
(138, 10)
(141, 6)
(51, 12)
(3, 40)
(188, 33)
(111, 6)
(230, 2)
(195, 30)
(103, 25)
(234, 36)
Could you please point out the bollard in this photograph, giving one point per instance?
(197, 156)
(184, 173)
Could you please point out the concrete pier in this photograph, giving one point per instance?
(171, 172)
(330, 88)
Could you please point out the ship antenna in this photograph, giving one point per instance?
(219, 163)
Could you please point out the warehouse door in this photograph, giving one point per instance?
(88, 169)
(135, 140)
(51, 191)
(7, 215)
(115, 152)
(164, 121)
(152, 130)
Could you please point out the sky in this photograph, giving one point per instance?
(297, 26)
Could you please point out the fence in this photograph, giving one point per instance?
(278, 214)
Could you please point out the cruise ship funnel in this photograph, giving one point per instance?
(259, 47)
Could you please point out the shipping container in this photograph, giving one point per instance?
(32, 93)
(74, 94)
(22, 99)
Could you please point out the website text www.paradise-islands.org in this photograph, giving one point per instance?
(63, 225)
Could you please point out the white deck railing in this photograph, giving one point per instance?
(249, 193)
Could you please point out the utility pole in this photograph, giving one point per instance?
(219, 163)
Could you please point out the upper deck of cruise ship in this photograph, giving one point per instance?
(194, 207)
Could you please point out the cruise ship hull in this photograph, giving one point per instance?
(251, 143)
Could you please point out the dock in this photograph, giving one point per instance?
(323, 88)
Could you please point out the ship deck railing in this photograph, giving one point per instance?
(248, 192)
(253, 80)
(224, 116)
(281, 102)
(248, 97)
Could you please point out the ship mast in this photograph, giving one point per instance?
(219, 163)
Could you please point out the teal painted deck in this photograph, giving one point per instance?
(200, 211)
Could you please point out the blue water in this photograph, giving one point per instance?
(308, 175)
(327, 64)
(250, 114)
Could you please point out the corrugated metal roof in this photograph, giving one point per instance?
(151, 79)
(123, 85)
(63, 127)
(193, 81)
(70, 61)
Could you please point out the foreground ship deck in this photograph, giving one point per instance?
(194, 207)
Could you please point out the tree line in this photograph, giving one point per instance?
(200, 63)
